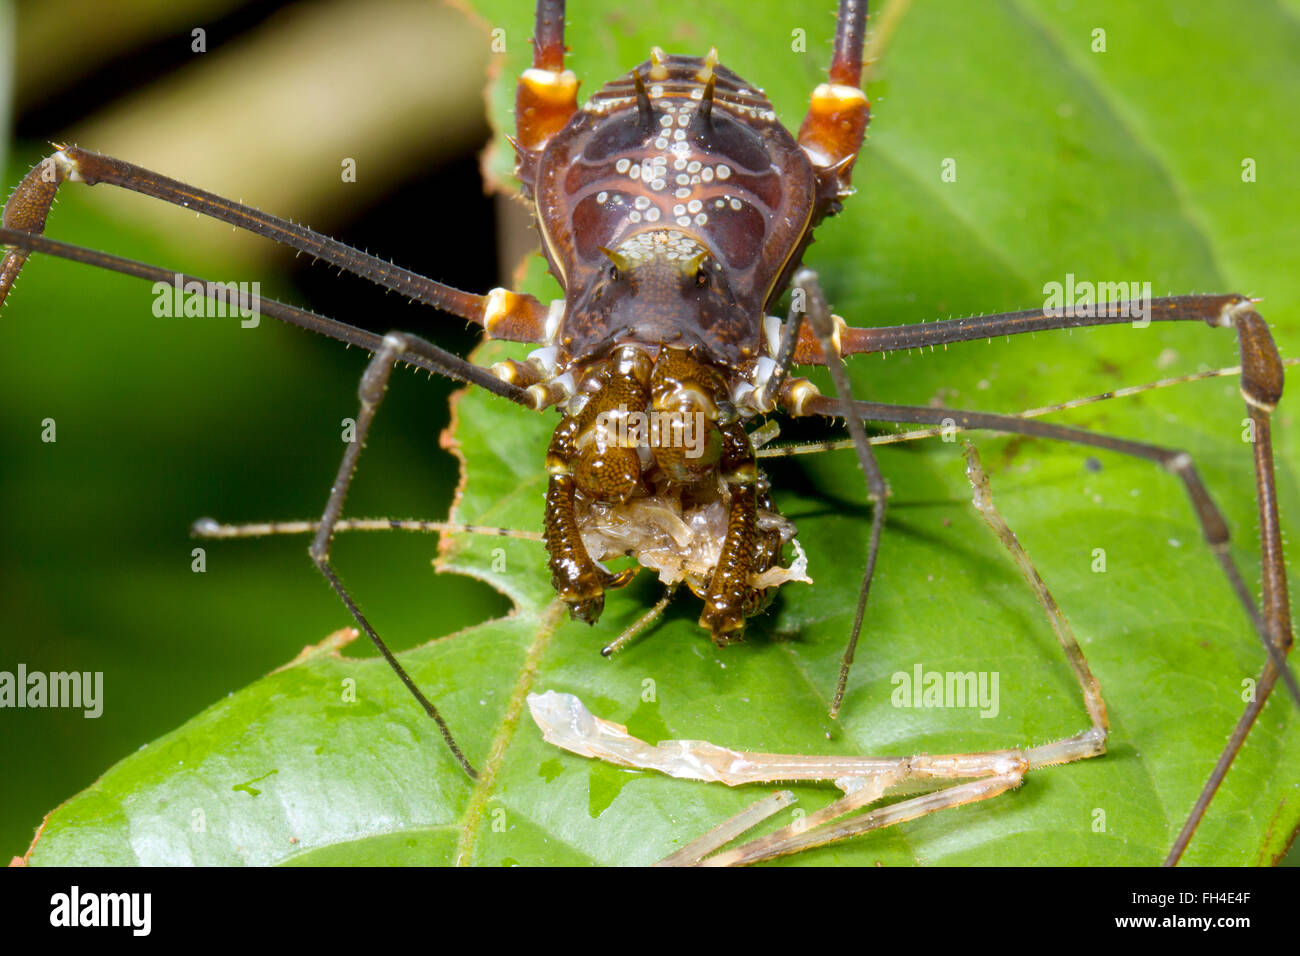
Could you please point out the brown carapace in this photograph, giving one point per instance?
(673, 208)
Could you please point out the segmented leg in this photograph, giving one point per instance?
(1276, 617)
(214, 530)
(374, 382)
(836, 123)
(729, 829)
(1277, 623)
(917, 434)
(629, 633)
(822, 324)
(387, 350)
(502, 313)
(547, 94)
(428, 356)
(1261, 386)
(1219, 311)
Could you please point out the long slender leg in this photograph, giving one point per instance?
(983, 501)
(374, 382)
(823, 325)
(388, 350)
(728, 830)
(1276, 613)
(213, 530)
(836, 123)
(640, 624)
(823, 831)
(504, 314)
(1215, 310)
(428, 356)
(1261, 386)
(1273, 623)
(916, 434)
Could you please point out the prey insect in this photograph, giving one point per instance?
(621, 349)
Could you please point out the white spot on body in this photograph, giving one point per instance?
(669, 243)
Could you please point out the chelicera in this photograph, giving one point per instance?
(675, 210)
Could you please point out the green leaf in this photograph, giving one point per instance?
(1117, 166)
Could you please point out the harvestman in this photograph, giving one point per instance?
(668, 278)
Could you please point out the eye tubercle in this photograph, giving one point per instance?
(621, 262)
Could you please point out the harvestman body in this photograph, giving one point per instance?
(675, 209)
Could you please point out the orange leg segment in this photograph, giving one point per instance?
(836, 123)
(547, 95)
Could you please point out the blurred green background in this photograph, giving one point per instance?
(160, 422)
